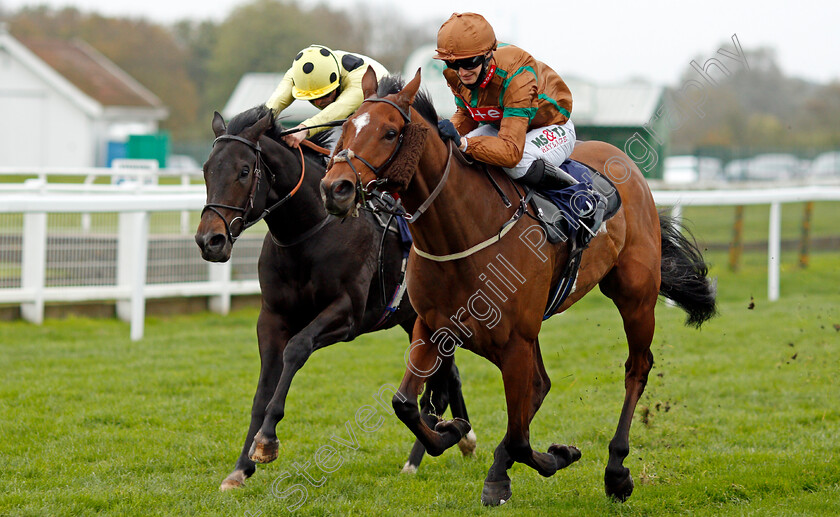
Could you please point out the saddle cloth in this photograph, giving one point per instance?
(574, 214)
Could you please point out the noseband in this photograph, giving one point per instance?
(213, 207)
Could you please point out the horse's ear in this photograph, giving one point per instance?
(406, 96)
(219, 127)
(369, 83)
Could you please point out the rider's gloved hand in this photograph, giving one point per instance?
(447, 130)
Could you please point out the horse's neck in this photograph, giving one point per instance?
(305, 208)
(467, 211)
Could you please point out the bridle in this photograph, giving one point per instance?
(214, 207)
(346, 155)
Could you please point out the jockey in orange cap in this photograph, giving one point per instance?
(513, 111)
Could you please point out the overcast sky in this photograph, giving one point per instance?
(603, 41)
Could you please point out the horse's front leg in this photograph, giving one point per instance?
(443, 389)
(424, 360)
(272, 335)
(335, 323)
(526, 385)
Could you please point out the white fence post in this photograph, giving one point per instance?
(126, 254)
(140, 223)
(220, 275)
(676, 212)
(774, 250)
(33, 265)
(185, 215)
(132, 254)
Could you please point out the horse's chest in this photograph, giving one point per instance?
(294, 290)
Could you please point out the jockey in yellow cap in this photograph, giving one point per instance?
(513, 111)
(329, 79)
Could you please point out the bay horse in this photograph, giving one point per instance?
(475, 284)
(320, 280)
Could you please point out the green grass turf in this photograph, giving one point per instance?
(739, 418)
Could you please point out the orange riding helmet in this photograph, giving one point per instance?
(464, 35)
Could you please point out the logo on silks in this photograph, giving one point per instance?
(549, 138)
(491, 114)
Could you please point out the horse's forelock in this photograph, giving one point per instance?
(246, 119)
(391, 84)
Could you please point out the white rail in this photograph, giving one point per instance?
(775, 197)
(131, 288)
(135, 208)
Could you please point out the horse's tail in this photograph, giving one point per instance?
(685, 278)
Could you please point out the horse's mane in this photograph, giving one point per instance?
(422, 101)
(248, 118)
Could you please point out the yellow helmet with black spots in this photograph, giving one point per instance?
(315, 73)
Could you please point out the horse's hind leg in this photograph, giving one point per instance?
(459, 410)
(272, 336)
(634, 293)
(526, 385)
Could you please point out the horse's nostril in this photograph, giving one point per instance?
(216, 241)
(343, 189)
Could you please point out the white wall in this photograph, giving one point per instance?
(39, 126)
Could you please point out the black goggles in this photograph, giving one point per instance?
(467, 63)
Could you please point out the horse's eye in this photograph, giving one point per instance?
(244, 172)
(390, 134)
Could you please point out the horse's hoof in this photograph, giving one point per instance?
(495, 493)
(235, 480)
(467, 444)
(564, 455)
(264, 450)
(408, 468)
(619, 487)
(457, 426)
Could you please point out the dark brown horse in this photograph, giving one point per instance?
(480, 278)
(320, 279)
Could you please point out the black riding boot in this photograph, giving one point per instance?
(543, 175)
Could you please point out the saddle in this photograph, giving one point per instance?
(576, 212)
(573, 215)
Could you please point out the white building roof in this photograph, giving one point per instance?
(79, 73)
(254, 89)
(628, 104)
